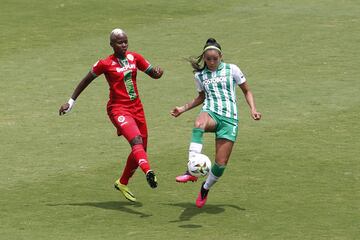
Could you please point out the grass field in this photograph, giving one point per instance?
(293, 175)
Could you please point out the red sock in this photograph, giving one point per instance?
(129, 170)
(140, 157)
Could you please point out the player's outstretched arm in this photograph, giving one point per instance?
(250, 100)
(177, 111)
(156, 72)
(66, 107)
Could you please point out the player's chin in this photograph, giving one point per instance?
(122, 51)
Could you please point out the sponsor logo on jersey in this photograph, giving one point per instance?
(214, 80)
(130, 57)
(128, 67)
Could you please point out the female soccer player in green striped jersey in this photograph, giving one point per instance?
(215, 82)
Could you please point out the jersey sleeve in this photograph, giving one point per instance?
(237, 75)
(142, 64)
(198, 83)
(98, 68)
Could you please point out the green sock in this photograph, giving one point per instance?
(197, 135)
(218, 170)
(196, 142)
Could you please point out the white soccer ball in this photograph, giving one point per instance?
(199, 165)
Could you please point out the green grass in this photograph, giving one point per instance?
(293, 175)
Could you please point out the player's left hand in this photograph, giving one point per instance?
(157, 72)
(177, 111)
(256, 115)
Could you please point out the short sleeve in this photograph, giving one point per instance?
(237, 75)
(98, 68)
(141, 63)
(198, 83)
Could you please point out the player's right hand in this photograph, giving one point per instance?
(64, 109)
(177, 111)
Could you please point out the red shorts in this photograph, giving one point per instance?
(129, 121)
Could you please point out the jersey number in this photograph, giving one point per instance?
(129, 84)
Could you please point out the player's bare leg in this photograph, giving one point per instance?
(223, 151)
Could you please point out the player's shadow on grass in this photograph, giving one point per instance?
(111, 205)
(190, 210)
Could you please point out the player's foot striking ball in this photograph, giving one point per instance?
(186, 177)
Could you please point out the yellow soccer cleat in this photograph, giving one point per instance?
(125, 191)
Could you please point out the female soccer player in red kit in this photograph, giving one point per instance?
(124, 107)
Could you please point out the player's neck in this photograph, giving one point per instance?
(119, 55)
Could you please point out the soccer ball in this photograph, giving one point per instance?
(199, 165)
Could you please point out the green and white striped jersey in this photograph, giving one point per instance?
(219, 87)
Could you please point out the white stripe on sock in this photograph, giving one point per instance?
(194, 149)
(211, 180)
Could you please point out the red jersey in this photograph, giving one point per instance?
(121, 76)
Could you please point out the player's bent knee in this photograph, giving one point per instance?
(199, 124)
(136, 140)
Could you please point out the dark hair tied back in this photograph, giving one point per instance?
(196, 61)
(212, 42)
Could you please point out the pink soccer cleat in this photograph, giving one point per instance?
(202, 197)
(186, 177)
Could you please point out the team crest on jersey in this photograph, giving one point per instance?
(130, 57)
(113, 63)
